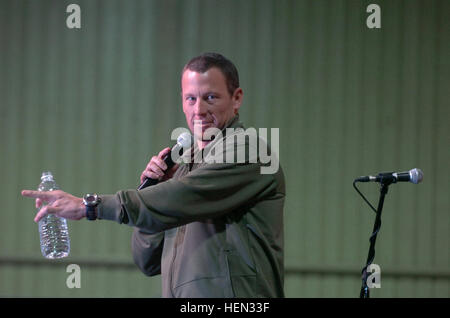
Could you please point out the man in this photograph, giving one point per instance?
(211, 229)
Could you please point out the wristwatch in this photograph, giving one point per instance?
(91, 201)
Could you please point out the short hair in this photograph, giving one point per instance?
(204, 62)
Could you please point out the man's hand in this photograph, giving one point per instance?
(156, 168)
(60, 203)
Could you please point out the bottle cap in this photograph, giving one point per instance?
(46, 175)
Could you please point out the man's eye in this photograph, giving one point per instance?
(190, 99)
(210, 97)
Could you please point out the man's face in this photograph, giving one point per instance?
(206, 99)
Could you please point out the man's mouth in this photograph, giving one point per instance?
(201, 128)
(202, 123)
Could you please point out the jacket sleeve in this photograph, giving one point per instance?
(209, 191)
(147, 250)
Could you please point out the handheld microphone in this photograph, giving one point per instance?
(184, 141)
(414, 175)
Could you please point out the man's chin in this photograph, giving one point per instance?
(204, 129)
(208, 134)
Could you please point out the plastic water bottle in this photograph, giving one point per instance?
(53, 231)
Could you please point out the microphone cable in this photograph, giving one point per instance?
(362, 195)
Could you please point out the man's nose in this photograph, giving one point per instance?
(200, 107)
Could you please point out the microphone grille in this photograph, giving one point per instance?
(185, 140)
(416, 175)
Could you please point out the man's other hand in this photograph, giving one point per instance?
(60, 203)
(157, 168)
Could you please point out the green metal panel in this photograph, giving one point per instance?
(93, 105)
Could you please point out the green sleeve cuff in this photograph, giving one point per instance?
(109, 208)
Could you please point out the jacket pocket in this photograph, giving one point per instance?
(241, 276)
(204, 277)
(211, 287)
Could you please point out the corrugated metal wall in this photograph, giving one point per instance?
(93, 105)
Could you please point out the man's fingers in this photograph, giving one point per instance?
(150, 174)
(160, 164)
(40, 197)
(31, 193)
(156, 162)
(156, 166)
(39, 203)
(44, 212)
(164, 152)
(44, 195)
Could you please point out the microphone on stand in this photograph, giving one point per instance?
(184, 141)
(414, 175)
(385, 179)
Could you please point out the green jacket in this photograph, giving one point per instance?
(213, 230)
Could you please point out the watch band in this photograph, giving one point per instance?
(91, 212)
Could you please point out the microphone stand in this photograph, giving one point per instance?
(376, 228)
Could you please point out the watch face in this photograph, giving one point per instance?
(90, 199)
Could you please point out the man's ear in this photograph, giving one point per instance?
(237, 97)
